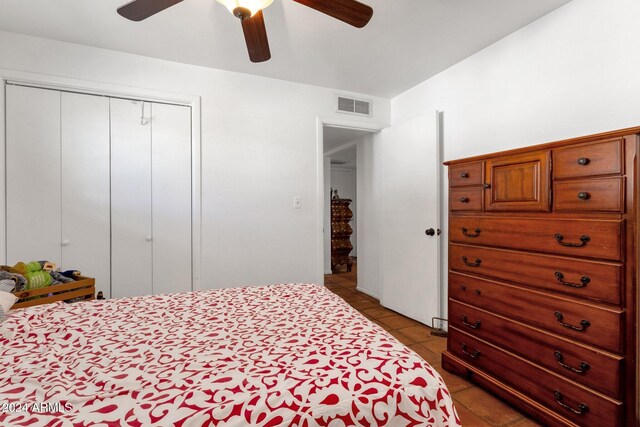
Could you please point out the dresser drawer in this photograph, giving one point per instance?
(594, 368)
(597, 280)
(589, 195)
(596, 325)
(601, 158)
(465, 174)
(465, 199)
(553, 391)
(586, 238)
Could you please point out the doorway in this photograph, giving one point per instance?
(398, 176)
(340, 154)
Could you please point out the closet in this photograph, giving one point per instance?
(102, 185)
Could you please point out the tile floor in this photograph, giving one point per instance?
(475, 407)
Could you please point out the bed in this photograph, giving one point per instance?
(279, 355)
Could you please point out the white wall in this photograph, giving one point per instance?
(259, 150)
(573, 72)
(344, 180)
(327, 215)
(368, 188)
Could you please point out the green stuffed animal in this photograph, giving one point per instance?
(36, 276)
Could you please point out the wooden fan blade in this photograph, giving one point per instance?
(255, 34)
(350, 11)
(137, 10)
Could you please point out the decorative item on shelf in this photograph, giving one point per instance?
(334, 194)
(340, 232)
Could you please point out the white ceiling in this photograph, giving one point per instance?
(334, 137)
(406, 42)
(346, 158)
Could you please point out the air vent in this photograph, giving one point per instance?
(338, 162)
(354, 106)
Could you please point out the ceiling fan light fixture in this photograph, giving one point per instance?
(239, 7)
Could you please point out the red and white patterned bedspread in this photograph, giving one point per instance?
(277, 355)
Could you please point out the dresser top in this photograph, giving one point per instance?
(549, 145)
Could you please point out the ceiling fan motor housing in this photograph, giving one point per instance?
(242, 13)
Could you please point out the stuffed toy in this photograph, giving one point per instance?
(36, 276)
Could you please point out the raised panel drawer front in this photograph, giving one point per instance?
(589, 195)
(585, 238)
(465, 199)
(465, 174)
(597, 325)
(518, 182)
(587, 365)
(600, 158)
(574, 402)
(597, 280)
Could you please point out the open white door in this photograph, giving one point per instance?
(411, 205)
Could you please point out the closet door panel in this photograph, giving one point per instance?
(171, 177)
(33, 174)
(131, 234)
(85, 187)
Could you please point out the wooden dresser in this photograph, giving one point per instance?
(543, 278)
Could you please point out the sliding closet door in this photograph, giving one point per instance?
(171, 197)
(33, 174)
(85, 187)
(131, 233)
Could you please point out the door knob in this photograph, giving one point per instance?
(65, 242)
(430, 232)
(148, 238)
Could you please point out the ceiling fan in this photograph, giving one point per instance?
(250, 14)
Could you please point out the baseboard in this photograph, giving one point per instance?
(371, 294)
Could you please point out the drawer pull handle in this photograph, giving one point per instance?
(471, 264)
(464, 200)
(583, 195)
(584, 324)
(472, 354)
(464, 288)
(584, 366)
(474, 325)
(476, 232)
(583, 161)
(584, 239)
(464, 175)
(582, 408)
(584, 280)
